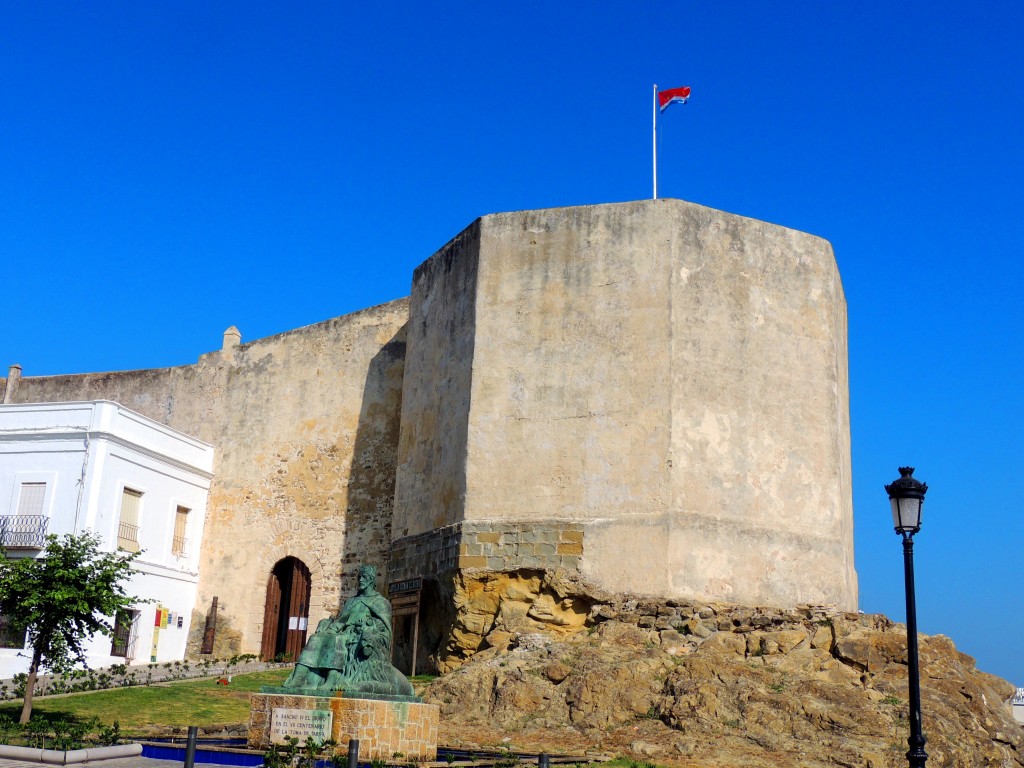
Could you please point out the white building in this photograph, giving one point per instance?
(139, 485)
(1018, 705)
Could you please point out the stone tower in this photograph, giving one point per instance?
(654, 393)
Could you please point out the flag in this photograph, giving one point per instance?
(672, 96)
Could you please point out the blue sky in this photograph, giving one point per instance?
(170, 169)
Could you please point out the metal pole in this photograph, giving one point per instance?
(654, 123)
(916, 756)
(415, 639)
(353, 753)
(190, 746)
(543, 760)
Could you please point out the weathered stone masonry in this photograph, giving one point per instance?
(305, 426)
(651, 394)
(498, 546)
(669, 378)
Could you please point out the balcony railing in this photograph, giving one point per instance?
(179, 546)
(128, 537)
(23, 531)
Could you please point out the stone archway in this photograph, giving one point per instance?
(286, 612)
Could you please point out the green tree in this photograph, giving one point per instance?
(62, 598)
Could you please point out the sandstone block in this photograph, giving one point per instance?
(556, 672)
(694, 626)
(670, 638)
(822, 638)
(787, 640)
(727, 643)
(499, 639)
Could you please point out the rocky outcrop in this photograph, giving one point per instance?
(566, 669)
(491, 609)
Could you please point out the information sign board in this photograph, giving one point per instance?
(300, 723)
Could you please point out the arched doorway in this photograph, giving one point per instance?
(287, 610)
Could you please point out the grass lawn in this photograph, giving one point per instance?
(183, 703)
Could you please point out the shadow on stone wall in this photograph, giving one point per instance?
(371, 489)
(371, 495)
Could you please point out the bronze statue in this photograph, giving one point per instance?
(351, 652)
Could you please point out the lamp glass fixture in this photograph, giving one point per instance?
(906, 514)
(906, 495)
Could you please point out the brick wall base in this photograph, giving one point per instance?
(492, 546)
(382, 727)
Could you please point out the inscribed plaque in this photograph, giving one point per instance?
(300, 723)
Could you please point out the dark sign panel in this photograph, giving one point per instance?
(406, 585)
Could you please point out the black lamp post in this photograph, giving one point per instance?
(906, 496)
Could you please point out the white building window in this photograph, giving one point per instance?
(26, 529)
(128, 522)
(179, 544)
(30, 500)
(126, 632)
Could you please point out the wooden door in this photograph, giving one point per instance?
(298, 609)
(271, 616)
(286, 612)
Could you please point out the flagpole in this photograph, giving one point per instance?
(654, 127)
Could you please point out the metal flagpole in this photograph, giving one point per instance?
(654, 125)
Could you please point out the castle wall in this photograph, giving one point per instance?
(653, 394)
(305, 426)
(431, 475)
(667, 378)
(760, 415)
(571, 376)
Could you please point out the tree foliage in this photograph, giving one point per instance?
(63, 598)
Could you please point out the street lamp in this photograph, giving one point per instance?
(906, 496)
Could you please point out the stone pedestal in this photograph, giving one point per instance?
(382, 727)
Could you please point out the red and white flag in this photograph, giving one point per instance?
(673, 96)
